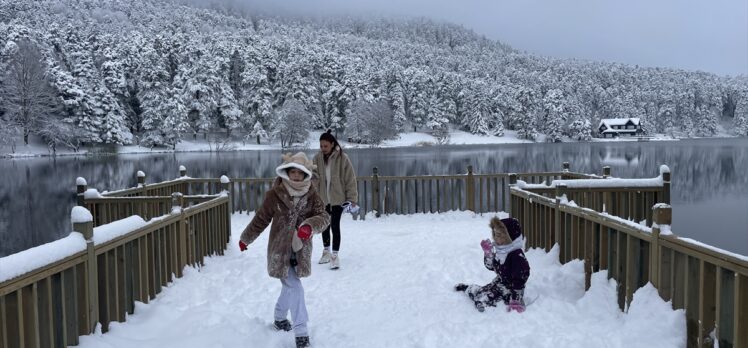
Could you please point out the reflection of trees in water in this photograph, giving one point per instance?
(36, 195)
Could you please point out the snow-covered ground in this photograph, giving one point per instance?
(395, 289)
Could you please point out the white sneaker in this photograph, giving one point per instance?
(326, 255)
(335, 262)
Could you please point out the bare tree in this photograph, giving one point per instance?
(26, 94)
(371, 123)
(8, 133)
(292, 124)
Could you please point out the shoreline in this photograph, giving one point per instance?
(416, 140)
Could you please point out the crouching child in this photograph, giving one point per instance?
(506, 257)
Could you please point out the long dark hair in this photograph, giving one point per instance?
(327, 136)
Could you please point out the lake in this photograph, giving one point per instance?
(709, 179)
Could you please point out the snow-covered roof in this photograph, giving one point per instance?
(610, 122)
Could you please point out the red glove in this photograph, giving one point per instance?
(242, 246)
(304, 232)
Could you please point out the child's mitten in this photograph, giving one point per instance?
(304, 232)
(486, 246)
(515, 305)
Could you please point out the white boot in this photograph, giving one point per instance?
(335, 261)
(326, 255)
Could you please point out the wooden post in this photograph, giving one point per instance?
(225, 183)
(512, 179)
(560, 230)
(141, 182)
(665, 172)
(83, 223)
(470, 193)
(81, 186)
(182, 171)
(662, 216)
(606, 172)
(375, 193)
(565, 167)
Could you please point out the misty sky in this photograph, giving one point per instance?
(707, 35)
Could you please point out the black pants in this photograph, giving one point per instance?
(335, 212)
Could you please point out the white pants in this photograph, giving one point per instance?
(292, 298)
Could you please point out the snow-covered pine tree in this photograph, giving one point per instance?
(553, 119)
(741, 114)
(580, 130)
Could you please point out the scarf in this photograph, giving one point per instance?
(297, 188)
(501, 251)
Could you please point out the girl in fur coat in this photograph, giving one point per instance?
(506, 257)
(296, 212)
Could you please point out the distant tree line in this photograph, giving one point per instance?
(150, 72)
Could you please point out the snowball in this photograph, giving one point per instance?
(91, 193)
(141, 174)
(225, 179)
(80, 181)
(80, 215)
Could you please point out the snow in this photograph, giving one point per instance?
(609, 182)
(394, 289)
(664, 169)
(718, 250)
(182, 168)
(80, 182)
(80, 215)
(91, 193)
(17, 264)
(594, 183)
(609, 122)
(112, 230)
(141, 174)
(225, 179)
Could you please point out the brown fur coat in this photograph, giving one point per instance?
(286, 217)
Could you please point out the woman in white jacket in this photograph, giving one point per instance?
(338, 189)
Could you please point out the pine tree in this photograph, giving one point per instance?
(741, 114)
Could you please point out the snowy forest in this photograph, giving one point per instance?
(82, 72)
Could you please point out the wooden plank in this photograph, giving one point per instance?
(120, 283)
(58, 310)
(150, 266)
(71, 309)
(741, 311)
(129, 278)
(81, 284)
(46, 324)
(3, 324)
(707, 301)
(693, 276)
(604, 246)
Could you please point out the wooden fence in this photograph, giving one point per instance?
(52, 305)
(711, 285)
(380, 194)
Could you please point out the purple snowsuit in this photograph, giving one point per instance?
(512, 271)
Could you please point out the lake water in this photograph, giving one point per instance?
(709, 179)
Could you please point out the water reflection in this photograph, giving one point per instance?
(710, 178)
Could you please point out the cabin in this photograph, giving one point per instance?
(615, 127)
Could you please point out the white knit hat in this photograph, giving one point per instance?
(298, 161)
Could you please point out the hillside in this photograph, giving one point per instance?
(151, 72)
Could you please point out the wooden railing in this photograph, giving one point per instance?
(386, 194)
(710, 284)
(630, 199)
(52, 305)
